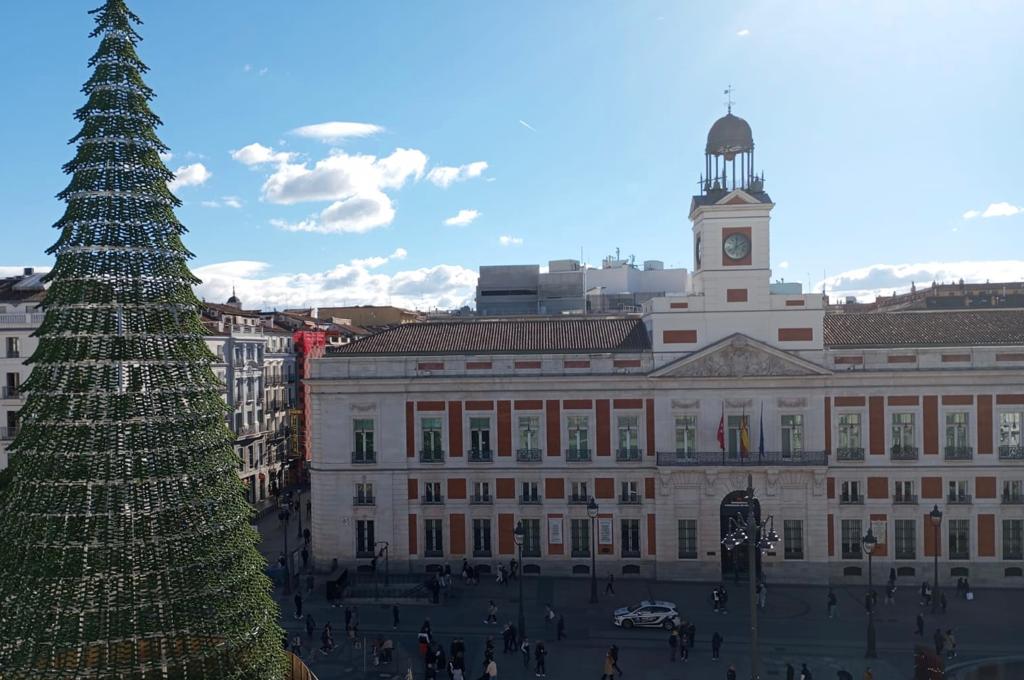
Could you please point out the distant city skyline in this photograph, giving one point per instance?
(331, 154)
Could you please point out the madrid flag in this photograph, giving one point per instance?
(721, 431)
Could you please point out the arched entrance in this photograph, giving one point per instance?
(735, 563)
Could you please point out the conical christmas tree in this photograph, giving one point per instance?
(125, 544)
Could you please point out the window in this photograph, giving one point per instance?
(1010, 431)
(480, 434)
(432, 492)
(530, 493)
(364, 493)
(851, 535)
(793, 539)
(1013, 539)
(1013, 491)
(431, 429)
(906, 539)
(579, 433)
(435, 539)
(957, 491)
(956, 431)
(481, 491)
(579, 530)
(734, 425)
(686, 434)
(849, 492)
(629, 433)
(241, 458)
(904, 492)
(849, 431)
(630, 492)
(687, 539)
(364, 538)
(578, 492)
(363, 432)
(531, 541)
(482, 537)
(631, 538)
(792, 434)
(529, 432)
(903, 431)
(959, 539)
(252, 456)
(13, 348)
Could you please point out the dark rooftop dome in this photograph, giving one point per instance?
(729, 135)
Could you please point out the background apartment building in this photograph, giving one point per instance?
(20, 315)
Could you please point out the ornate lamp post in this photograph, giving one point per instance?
(936, 516)
(519, 535)
(868, 544)
(592, 510)
(384, 552)
(757, 537)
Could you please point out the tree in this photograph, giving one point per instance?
(126, 549)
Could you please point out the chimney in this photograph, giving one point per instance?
(29, 271)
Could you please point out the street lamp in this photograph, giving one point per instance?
(868, 544)
(936, 516)
(384, 552)
(757, 537)
(518, 535)
(592, 513)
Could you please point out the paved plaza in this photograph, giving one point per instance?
(794, 627)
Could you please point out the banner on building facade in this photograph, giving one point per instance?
(604, 531)
(878, 529)
(555, 530)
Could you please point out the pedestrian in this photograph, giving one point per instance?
(762, 596)
(940, 641)
(868, 675)
(310, 626)
(716, 598)
(832, 604)
(950, 644)
(549, 614)
(805, 672)
(608, 670)
(942, 602)
(307, 537)
(919, 630)
(609, 587)
(560, 628)
(492, 613)
(297, 646)
(716, 645)
(730, 673)
(844, 675)
(348, 617)
(540, 655)
(309, 509)
(684, 649)
(892, 575)
(692, 634)
(298, 605)
(867, 602)
(790, 671)
(513, 568)
(524, 649)
(890, 593)
(723, 596)
(924, 592)
(614, 651)
(394, 617)
(502, 575)
(491, 670)
(506, 638)
(673, 644)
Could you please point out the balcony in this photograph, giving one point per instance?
(1013, 499)
(903, 452)
(768, 458)
(364, 500)
(364, 457)
(629, 552)
(434, 499)
(528, 455)
(13, 354)
(1012, 452)
(481, 456)
(630, 499)
(959, 499)
(959, 452)
(850, 453)
(851, 499)
(431, 456)
(532, 499)
(21, 319)
(481, 499)
(577, 455)
(904, 499)
(10, 392)
(576, 499)
(8, 433)
(631, 453)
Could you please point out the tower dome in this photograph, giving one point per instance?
(728, 136)
(233, 301)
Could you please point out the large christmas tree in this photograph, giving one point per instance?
(125, 544)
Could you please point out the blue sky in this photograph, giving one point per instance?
(889, 134)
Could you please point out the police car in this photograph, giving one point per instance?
(648, 614)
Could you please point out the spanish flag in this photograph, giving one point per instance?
(744, 437)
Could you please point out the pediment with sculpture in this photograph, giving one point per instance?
(739, 356)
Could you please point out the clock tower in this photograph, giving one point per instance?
(730, 220)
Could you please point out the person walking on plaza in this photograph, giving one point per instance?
(868, 675)
(762, 596)
(890, 593)
(298, 605)
(723, 599)
(790, 671)
(673, 644)
(691, 634)
(609, 588)
(513, 568)
(549, 614)
(684, 649)
(805, 672)
(524, 649)
(608, 670)
(716, 598)
(310, 626)
(832, 603)
(942, 602)
(560, 628)
(940, 641)
(919, 622)
(716, 645)
(614, 651)
(297, 646)
(507, 638)
(492, 613)
(730, 673)
(844, 675)
(950, 644)
(491, 670)
(394, 617)
(540, 655)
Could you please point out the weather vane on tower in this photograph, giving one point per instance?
(728, 101)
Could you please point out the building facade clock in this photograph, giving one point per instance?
(736, 246)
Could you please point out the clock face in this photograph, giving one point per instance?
(698, 251)
(736, 246)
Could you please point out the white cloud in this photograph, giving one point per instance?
(507, 240)
(882, 279)
(527, 125)
(257, 154)
(1001, 209)
(442, 286)
(189, 176)
(334, 131)
(784, 264)
(263, 71)
(463, 218)
(210, 204)
(743, 32)
(224, 202)
(355, 184)
(445, 175)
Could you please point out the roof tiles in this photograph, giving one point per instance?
(924, 329)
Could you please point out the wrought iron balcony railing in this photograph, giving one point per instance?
(903, 452)
(481, 456)
(630, 499)
(1011, 452)
(851, 499)
(528, 455)
(364, 457)
(481, 499)
(754, 459)
(959, 499)
(364, 500)
(10, 392)
(850, 453)
(431, 456)
(904, 499)
(1013, 499)
(577, 455)
(959, 452)
(629, 454)
(435, 499)
(530, 499)
(576, 499)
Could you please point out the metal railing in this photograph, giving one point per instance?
(433, 500)
(959, 452)
(21, 319)
(10, 392)
(364, 500)
(1013, 499)
(795, 458)
(630, 499)
(577, 455)
(629, 454)
(959, 499)
(8, 433)
(1011, 452)
(903, 453)
(528, 455)
(13, 354)
(481, 455)
(530, 500)
(575, 499)
(850, 453)
(851, 499)
(904, 499)
(431, 456)
(481, 499)
(364, 457)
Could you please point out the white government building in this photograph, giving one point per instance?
(438, 438)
